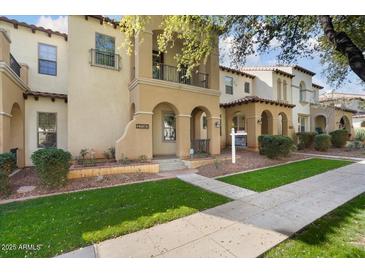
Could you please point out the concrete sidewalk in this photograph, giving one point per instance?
(243, 228)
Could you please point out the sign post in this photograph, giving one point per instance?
(233, 136)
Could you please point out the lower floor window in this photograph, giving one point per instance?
(47, 130)
(302, 121)
(169, 127)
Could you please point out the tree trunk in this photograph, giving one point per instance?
(344, 45)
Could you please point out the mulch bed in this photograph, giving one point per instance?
(246, 160)
(28, 177)
(359, 153)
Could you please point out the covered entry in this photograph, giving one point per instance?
(320, 124)
(199, 130)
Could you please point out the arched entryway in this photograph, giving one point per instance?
(266, 122)
(344, 123)
(17, 133)
(320, 124)
(199, 131)
(282, 124)
(164, 130)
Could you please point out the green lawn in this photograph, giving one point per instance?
(339, 234)
(272, 177)
(65, 222)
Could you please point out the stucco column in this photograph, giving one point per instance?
(143, 54)
(4, 46)
(183, 135)
(213, 135)
(24, 68)
(253, 131)
(274, 125)
(213, 70)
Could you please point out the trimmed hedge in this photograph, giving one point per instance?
(305, 139)
(322, 142)
(4, 184)
(339, 137)
(7, 162)
(52, 166)
(274, 146)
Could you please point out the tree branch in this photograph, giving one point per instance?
(345, 46)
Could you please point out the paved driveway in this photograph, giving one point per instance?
(246, 227)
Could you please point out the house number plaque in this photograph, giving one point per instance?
(142, 126)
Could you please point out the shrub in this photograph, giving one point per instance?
(354, 145)
(143, 158)
(7, 162)
(322, 142)
(339, 137)
(360, 134)
(274, 146)
(52, 166)
(305, 139)
(4, 184)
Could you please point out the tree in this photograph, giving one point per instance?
(338, 39)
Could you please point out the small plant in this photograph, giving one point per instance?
(7, 163)
(305, 139)
(111, 151)
(322, 142)
(339, 137)
(354, 145)
(124, 160)
(4, 184)
(143, 158)
(275, 146)
(216, 162)
(52, 166)
(360, 134)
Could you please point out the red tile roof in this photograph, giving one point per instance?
(37, 94)
(268, 68)
(237, 72)
(33, 28)
(255, 99)
(317, 86)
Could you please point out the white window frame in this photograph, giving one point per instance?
(39, 59)
(225, 86)
(55, 131)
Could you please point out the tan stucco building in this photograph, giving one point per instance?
(82, 90)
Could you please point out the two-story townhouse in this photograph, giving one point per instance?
(250, 105)
(34, 88)
(82, 90)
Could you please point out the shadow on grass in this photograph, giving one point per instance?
(319, 231)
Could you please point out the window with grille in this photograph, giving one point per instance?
(247, 87)
(47, 59)
(169, 127)
(228, 82)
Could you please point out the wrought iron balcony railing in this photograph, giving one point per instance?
(173, 74)
(14, 65)
(104, 59)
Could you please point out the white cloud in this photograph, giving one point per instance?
(59, 24)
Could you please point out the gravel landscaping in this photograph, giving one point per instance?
(359, 153)
(27, 177)
(246, 160)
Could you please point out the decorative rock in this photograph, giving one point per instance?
(25, 189)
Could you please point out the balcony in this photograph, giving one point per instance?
(104, 59)
(14, 65)
(173, 74)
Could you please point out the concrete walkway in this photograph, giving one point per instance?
(246, 227)
(228, 190)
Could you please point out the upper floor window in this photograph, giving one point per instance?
(247, 87)
(105, 50)
(228, 83)
(285, 91)
(47, 59)
(279, 89)
(302, 95)
(47, 130)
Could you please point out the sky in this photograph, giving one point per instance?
(59, 23)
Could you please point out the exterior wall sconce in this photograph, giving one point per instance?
(217, 124)
(259, 121)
